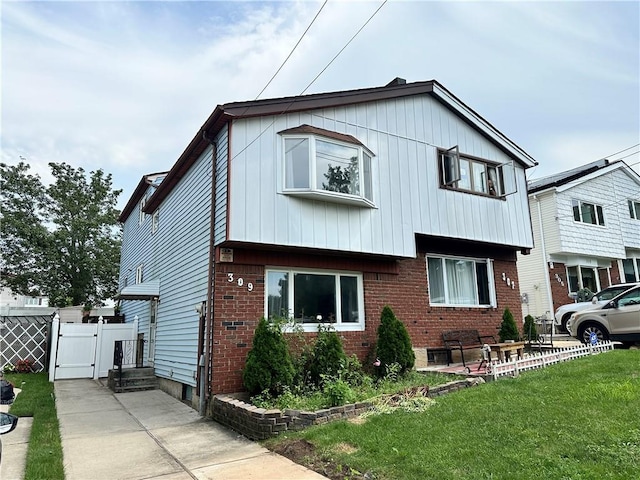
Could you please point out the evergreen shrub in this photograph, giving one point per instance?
(393, 344)
(508, 327)
(328, 358)
(268, 367)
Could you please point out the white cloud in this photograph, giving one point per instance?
(124, 86)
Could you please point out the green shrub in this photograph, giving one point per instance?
(508, 327)
(394, 344)
(337, 391)
(529, 331)
(268, 366)
(328, 356)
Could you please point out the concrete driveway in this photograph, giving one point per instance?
(151, 435)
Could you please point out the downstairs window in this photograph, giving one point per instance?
(314, 297)
(460, 282)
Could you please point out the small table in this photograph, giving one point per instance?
(505, 349)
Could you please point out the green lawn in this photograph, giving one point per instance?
(44, 457)
(576, 420)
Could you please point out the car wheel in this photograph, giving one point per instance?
(565, 319)
(585, 331)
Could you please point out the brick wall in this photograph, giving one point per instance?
(402, 284)
(559, 292)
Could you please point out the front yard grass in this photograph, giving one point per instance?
(577, 420)
(44, 455)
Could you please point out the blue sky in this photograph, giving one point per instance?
(124, 86)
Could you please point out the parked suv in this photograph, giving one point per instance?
(603, 296)
(618, 319)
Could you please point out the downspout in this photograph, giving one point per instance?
(547, 280)
(206, 362)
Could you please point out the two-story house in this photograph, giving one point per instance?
(586, 226)
(324, 208)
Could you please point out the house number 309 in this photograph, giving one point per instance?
(239, 281)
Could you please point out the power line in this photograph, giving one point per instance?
(312, 82)
(293, 50)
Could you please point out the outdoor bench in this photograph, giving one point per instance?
(463, 340)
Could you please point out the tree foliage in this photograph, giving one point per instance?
(62, 240)
(328, 355)
(529, 330)
(394, 344)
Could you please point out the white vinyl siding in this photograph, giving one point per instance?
(405, 183)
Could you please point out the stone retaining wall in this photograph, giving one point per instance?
(260, 423)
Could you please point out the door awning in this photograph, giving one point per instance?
(140, 291)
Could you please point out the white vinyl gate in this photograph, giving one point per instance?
(85, 350)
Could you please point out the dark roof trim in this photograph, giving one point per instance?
(142, 186)
(394, 89)
(308, 129)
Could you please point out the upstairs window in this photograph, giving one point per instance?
(141, 214)
(327, 166)
(314, 297)
(476, 175)
(634, 209)
(587, 213)
(155, 219)
(139, 274)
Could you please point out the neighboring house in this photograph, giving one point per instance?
(14, 304)
(586, 226)
(324, 207)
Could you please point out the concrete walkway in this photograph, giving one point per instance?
(151, 435)
(14, 447)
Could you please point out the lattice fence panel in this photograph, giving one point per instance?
(23, 340)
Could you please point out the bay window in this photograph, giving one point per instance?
(314, 297)
(460, 281)
(327, 166)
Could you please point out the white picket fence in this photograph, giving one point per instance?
(513, 368)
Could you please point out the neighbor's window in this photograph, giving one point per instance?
(471, 174)
(582, 277)
(634, 209)
(313, 297)
(335, 169)
(460, 281)
(587, 213)
(631, 269)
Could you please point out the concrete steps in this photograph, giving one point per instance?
(133, 380)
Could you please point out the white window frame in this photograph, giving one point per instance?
(363, 199)
(634, 209)
(579, 269)
(338, 325)
(140, 273)
(451, 174)
(635, 262)
(493, 302)
(598, 210)
(155, 219)
(141, 214)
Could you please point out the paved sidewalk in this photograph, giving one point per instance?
(151, 435)
(14, 447)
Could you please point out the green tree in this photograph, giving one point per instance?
(62, 240)
(394, 344)
(529, 330)
(328, 355)
(508, 327)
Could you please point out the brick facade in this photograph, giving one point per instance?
(239, 291)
